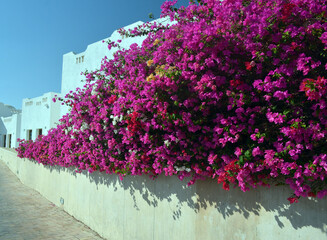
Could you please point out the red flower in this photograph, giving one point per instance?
(229, 174)
(314, 89)
(133, 124)
(293, 199)
(235, 83)
(307, 84)
(249, 65)
(112, 99)
(294, 45)
(221, 178)
(312, 194)
(287, 10)
(225, 186)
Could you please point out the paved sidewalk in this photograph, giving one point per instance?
(26, 215)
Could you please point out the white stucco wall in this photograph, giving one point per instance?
(39, 113)
(167, 209)
(12, 125)
(7, 111)
(3, 131)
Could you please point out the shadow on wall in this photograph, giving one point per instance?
(307, 212)
(207, 194)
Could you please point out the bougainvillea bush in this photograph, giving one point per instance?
(234, 90)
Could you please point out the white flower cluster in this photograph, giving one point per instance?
(181, 169)
(104, 125)
(116, 119)
(91, 138)
(84, 126)
(70, 131)
(167, 143)
(94, 91)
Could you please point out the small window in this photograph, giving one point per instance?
(29, 103)
(82, 58)
(29, 134)
(39, 132)
(4, 140)
(8, 119)
(9, 140)
(76, 60)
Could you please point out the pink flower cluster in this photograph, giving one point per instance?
(235, 90)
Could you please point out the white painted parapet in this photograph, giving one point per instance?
(166, 208)
(39, 115)
(9, 120)
(76, 63)
(12, 125)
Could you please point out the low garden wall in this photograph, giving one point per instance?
(166, 208)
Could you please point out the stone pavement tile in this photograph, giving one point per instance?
(26, 215)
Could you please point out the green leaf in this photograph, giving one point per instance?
(241, 161)
(248, 154)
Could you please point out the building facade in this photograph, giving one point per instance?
(10, 120)
(12, 126)
(40, 114)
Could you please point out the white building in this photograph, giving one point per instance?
(76, 63)
(12, 125)
(40, 114)
(10, 119)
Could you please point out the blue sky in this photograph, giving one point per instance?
(34, 35)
